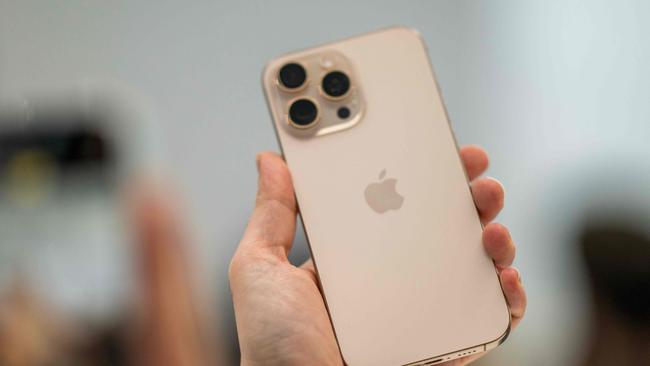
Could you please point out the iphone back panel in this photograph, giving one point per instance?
(385, 202)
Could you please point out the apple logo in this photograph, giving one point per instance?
(382, 196)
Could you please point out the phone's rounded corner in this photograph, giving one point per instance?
(411, 33)
(406, 29)
(266, 71)
(504, 334)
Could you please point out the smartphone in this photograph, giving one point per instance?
(65, 156)
(385, 202)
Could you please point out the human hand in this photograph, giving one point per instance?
(163, 326)
(166, 327)
(280, 312)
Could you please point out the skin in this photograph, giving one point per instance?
(166, 326)
(280, 313)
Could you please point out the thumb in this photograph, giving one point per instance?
(272, 225)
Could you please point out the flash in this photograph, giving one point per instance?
(326, 63)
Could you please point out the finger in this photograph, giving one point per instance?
(515, 293)
(272, 225)
(499, 245)
(475, 160)
(488, 196)
(166, 328)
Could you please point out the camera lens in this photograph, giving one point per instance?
(303, 112)
(292, 75)
(336, 84)
(343, 112)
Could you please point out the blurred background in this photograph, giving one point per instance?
(95, 96)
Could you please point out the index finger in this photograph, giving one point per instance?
(166, 329)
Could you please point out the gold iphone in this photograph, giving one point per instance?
(385, 201)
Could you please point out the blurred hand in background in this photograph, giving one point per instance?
(163, 327)
(167, 329)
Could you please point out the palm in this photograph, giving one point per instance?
(294, 327)
(281, 315)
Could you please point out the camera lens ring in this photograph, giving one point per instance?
(335, 85)
(303, 113)
(292, 76)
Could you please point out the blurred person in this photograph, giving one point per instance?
(164, 327)
(616, 258)
(280, 313)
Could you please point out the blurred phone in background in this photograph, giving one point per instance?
(65, 265)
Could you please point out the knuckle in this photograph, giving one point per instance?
(247, 259)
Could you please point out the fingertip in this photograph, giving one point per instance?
(153, 206)
(265, 159)
(475, 159)
(511, 282)
(270, 163)
(274, 179)
(497, 192)
(268, 154)
(498, 244)
(489, 197)
(514, 291)
(511, 278)
(496, 235)
(495, 230)
(272, 225)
